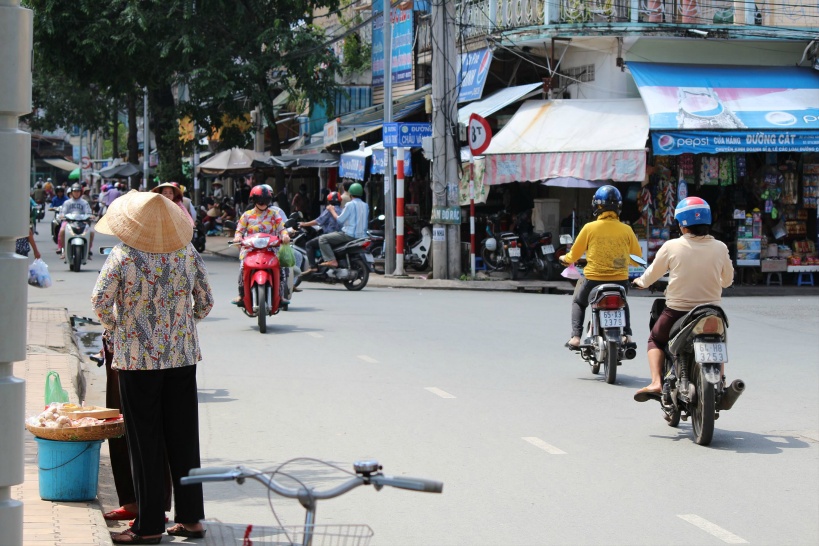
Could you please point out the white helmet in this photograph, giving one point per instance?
(491, 245)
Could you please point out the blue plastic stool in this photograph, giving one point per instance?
(804, 279)
(479, 265)
(771, 280)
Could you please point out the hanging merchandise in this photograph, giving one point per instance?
(646, 205)
(686, 165)
(810, 185)
(742, 169)
(669, 204)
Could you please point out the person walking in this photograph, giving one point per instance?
(150, 293)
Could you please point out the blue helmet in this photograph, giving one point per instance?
(692, 211)
(607, 198)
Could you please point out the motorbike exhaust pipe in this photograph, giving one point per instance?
(630, 353)
(731, 395)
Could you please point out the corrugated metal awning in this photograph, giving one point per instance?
(498, 101)
(61, 164)
(589, 139)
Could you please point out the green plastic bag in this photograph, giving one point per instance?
(54, 391)
(286, 256)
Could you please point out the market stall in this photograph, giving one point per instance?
(745, 139)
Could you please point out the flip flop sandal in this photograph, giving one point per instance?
(645, 396)
(179, 530)
(119, 514)
(133, 538)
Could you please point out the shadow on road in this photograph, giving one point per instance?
(743, 442)
(206, 396)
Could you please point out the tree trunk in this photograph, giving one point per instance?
(133, 144)
(164, 121)
(115, 131)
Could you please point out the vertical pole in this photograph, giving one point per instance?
(16, 35)
(452, 155)
(197, 195)
(399, 212)
(439, 137)
(472, 215)
(258, 136)
(146, 142)
(389, 200)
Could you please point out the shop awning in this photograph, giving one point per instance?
(717, 108)
(498, 101)
(302, 161)
(362, 122)
(352, 164)
(61, 164)
(589, 139)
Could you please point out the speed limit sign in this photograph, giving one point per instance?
(479, 134)
(85, 163)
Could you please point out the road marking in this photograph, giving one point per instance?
(548, 448)
(439, 392)
(315, 335)
(369, 359)
(712, 529)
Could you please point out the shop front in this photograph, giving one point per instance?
(746, 139)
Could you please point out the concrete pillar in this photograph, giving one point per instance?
(16, 29)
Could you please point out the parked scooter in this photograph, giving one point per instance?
(602, 344)
(376, 248)
(76, 240)
(693, 384)
(261, 276)
(501, 250)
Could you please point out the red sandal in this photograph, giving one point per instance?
(119, 514)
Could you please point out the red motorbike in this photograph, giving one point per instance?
(261, 275)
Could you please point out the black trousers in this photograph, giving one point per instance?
(580, 301)
(311, 248)
(161, 414)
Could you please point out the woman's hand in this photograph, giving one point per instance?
(36, 254)
(285, 237)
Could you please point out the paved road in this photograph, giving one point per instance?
(475, 389)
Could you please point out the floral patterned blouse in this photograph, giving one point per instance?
(151, 303)
(253, 221)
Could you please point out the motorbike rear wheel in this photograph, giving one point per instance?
(358, 265)
(702, 414)
(491, 259)
(261, 313)
(612, 351)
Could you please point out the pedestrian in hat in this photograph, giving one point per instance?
(217, 190)
(174, 193)
(152, 290)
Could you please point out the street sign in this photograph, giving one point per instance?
(86, 163)
(446, 215)
(405, 135)
(478, 134)
(331, 132)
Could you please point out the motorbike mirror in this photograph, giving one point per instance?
(105, 250)
(638, 260)
(293, 222)
(381, 218)
(230, 224)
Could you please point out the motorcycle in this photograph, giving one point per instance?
(56, 222)
(199, 236)
(76, 238)
(376, 236)
(261, 276)
(355, 262)
(417, 247)
(501, 251)
(603, 343)
(693, 384)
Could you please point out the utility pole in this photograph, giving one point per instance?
(146, 142)
(446, 239)
(389, 194)
(16, 39)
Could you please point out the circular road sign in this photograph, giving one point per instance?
(85, 163)
(479, 134)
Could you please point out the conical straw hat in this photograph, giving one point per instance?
(148, 222)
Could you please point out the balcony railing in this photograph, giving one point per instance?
(483, 17)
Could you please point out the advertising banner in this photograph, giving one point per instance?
(715, 142)
(472, 74)
(402, 40)
(380, 162)
(352, 166)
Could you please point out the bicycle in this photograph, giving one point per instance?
(367, 472)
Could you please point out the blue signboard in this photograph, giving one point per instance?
(352, 166)
(473, 73)
(406, 135)
(715, 142)
(380, 163)
(402, 41)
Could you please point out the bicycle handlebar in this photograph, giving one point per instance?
(377, 479)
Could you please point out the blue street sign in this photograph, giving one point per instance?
(405, 135)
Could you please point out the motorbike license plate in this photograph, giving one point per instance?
(514, 253)
(369, 257)
(613, 319)
(547, 249)
(710, 352)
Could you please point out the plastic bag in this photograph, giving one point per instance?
(38, 274)
(54, 391)
(286, 256)
(571, 272)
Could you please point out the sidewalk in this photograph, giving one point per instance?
(46, 523)
(493, 282)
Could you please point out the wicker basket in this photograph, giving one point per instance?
(79, 434)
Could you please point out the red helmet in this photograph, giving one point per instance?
(261, 195)
(333, 198)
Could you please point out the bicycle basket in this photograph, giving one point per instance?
(240, 534)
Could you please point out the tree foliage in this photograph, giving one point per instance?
(197, 58)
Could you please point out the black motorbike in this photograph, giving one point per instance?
(693, 384)
(199, 236)
(355, 262)
(501, 251)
